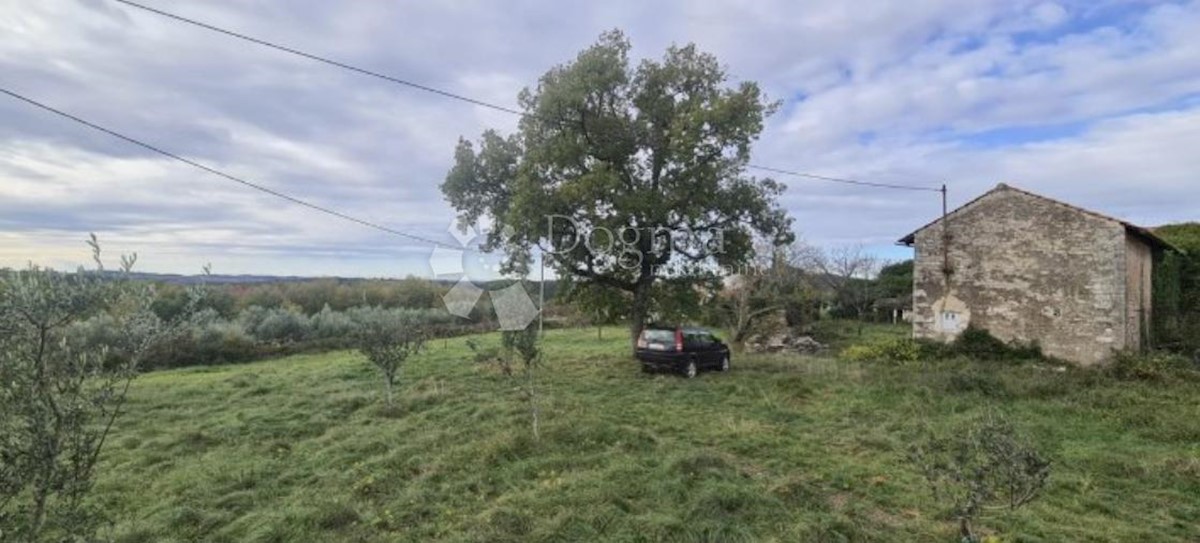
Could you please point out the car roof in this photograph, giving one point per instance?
(673, 327)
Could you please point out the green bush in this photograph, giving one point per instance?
(895, 351)
(330, 324)
(979, 344)
(258, 332)
(1155, 366)
(282, 325)
(973, 343)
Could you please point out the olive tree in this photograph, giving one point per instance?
(518, 348)
(387, 339)
(59, 398)
(625, 176)
(525, 345)
(987, 464)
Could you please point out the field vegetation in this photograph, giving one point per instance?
(783, 448)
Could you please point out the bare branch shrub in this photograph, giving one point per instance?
(985, 465)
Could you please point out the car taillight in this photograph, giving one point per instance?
(641, 342)
(679, 340)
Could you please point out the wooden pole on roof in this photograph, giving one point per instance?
(945, 242)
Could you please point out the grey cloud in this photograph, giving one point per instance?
(379, 151)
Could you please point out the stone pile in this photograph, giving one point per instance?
(785, 341)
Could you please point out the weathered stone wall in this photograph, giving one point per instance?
(1138, 272)
(1025, 269)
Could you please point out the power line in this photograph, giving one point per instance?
(467, 99)
(321, 59)
(227, 176)
(844, 180)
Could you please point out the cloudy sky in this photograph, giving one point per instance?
(1094, 102)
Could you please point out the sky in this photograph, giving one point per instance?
(1096, 103)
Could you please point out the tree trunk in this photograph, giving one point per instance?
(965, 531)
(533, 407)
(637, 313)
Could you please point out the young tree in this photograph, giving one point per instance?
(644, 167)
(525, 345)
(516, 346)
(59, 398)
(601, 305)
(387, 339)
(766, 286)
(849, 272)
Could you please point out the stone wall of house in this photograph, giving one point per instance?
(1025, 269)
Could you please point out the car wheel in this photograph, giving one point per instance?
(690, 370)
(725, 363)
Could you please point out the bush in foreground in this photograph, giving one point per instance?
(59, 397)
(1156, 366)
(974, 343)
(985, 464)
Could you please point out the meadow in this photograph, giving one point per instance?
(783, 448)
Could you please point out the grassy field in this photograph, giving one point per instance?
(783, 448)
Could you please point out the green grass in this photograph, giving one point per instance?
(781, 449)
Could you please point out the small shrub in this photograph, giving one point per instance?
(490, 355)
(983, 465)
(330, 324)
(282, 325)
(896, 351)
(936, 350)
(979, 383)
(980, 344)
(387, 340)
(1157, 366)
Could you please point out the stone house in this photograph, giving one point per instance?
(1028, 268)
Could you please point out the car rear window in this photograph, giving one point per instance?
(666, 336)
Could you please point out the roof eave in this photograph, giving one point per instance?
(1151, 238)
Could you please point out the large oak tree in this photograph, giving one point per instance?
(653, 155)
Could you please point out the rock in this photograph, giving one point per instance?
(786, 341)
(807, 345)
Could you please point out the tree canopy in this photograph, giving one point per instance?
(626, 176)
(1177, 289)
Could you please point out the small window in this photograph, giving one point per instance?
(949, 322)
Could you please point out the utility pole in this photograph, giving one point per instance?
(945, 242)
(542, 293)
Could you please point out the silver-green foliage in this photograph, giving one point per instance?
(387, 338)
(59, 397)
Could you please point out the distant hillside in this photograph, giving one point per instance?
(178, 279)
(217, 279)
